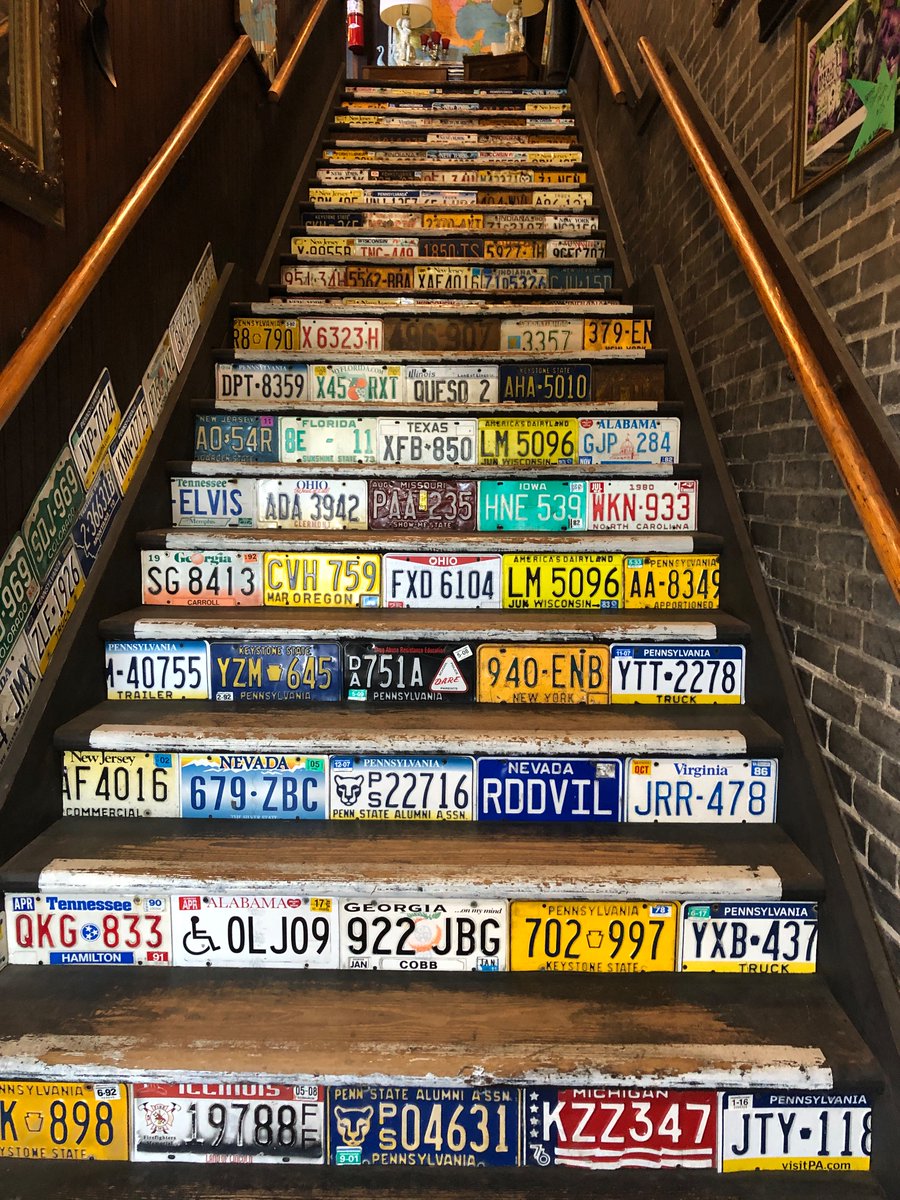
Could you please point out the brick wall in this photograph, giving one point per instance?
(836, 609)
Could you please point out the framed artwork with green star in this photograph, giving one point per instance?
(847, 62)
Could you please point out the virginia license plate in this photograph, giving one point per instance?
(206, 578)
(543, 674)
(706, 790)
(527, 441)
(357, 383)
(545, 383)
(54, 606)
(638, 440)
(795, 1131)
(642, 504)
(428, 442)
(327, 439)
(322, 580)
(769, 938)
(63, 1121)
(541, 335)
(18, 591)
(241, 380)
(618, 333)
(265, 930)
(409, 671)
(220, 437)
(549, 789)
(52, 513)
(672, 581)
(458, 384)
(312, 503)
(157, 671)
(687, 674)
(119, 783)
(94, 930)
(403, 788)
(441, 580)
(421, 936)
(579, 935)
(263, 786)
(293, 672)
(531, 505)
(203, 502)
(562, 581)
(266, 333)
(426, 505)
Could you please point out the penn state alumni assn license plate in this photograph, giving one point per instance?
(402, 788)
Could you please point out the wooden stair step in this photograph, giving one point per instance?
(281, 470)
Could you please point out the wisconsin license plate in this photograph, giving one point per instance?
(639, 440)
(157, 671)
(426, 505)
(403, 788)
(549, 789)
(527, 441)
(457, 384)
(426, 442)
(618, 333)
(545, 384)
(322, 580)
(220, 437)
(357, 383)
(543, 674)
(88, 930)
(327, 439)
(672, 581)
(263, 786)
(266, 930)
(795, 1131)
(266, 333)
(706, 790)
(206, 578)
(771, 938)
(119, 783)
(63, 1121)
(562, 581)
(312, 503)
(579, 935)
(441, 580)
(422, 936)
(407, 672)
(206, 503)
(541, 335)
(278, 382)
(642, 504)
(292, 672)
(687, 674)
(531, 505)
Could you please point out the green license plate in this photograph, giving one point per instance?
(18, 589)
(53, 513)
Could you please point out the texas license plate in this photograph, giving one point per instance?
(267, 785)
(545, 384)
(642, 504)
(580, 935)
(618, 333)
(88, 930)
(530, 505)
(266, 333)
(278, 382)
(327, 439)
(402, 788)
(312, 503)
(706, 790)
(264, 930)
(204, 502)
(541, 335)
(296, 673)
(634, 440)
(428, 442)
(795, 1131)
(672, 581)
(336, 580)
(157, 671)
(457, 384)
(119, 783)
(686, 674)
(18, 590)
(409, 672)
(441, 580)
(425, 505)
(543, 674)
(63, 1121)
(356, 383)
(549, 789)
(207, 578)
(769, 938)
(422, 936)
(527, 441)
(220, 437)
(562, 581)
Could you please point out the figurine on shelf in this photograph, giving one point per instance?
(404, 50)
(515, 37)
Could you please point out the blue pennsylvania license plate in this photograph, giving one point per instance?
(266, 786)
(226, 438)
(251, 671)
(549, 789)
(599, 279)
(546, 383)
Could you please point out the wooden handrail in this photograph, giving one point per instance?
(283, 78)
(607, 66)
(45, 334)
(879, 518)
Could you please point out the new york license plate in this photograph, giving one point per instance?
(157, 670)
(618, 333)
(262, 930)
(527, 441)
(672, 581)
(327, 439)
(224, 437)
(357, 383)
(422, 936)
(428, 442)
(580, 935)
(409, 671)
(88, 930)
(119, 783)
(562, 581)
(769, 938)
(642, 504)
(202, 502)
(441, 580)
(284, 383)
(640, 441)
(531, 505)
(312, 503)
(337, 580)
(705, 790)
(545, 384)
(402, 788)
(540, 673)
(63, 1121)
(687, 674)
(549, 789)
(292, 672)
(263, 786)
(426, 505)
(795, 1131)
(206, 578)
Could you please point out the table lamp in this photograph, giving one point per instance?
(405, 17)
(514, 11)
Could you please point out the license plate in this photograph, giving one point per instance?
(618, 333)
(70, 1121)
(318, 333)
(386, 247)
(327, 439)
(562, 581)
(691, 674)
(580, 279)
(543, 674)
(130, 442)
(460, 384)
(425, 505)
(226, 438)
(265, 930)
(405, 788)
(420, 441)
(88, 930)
(433, 220)
(322, 247)
(472, 1126)
(19, 679)
(322, 580)
(266, 333)
(529, 384)
(263, 786)
(303, 672)
(52, 513)
(421, 936)
(706, 790)
(157, 671)
(380, 278)
(228, 1122)
(312, 504)
(357, 383)
(441, 580)
(545, 199)
(101, 504)
(571, 223)
(304, 278)
(261, 381)
(541, 335)
(202, 578)
(160, 376)
(54, 606)
(119, 783)
(527, 441)
(526, 505)
(795, 1131)
(579, 935)
(513, 248)
(642, 504)
(203, 502)
(385, 673)
(439, 278)
(510, 279)
(672, 581)
(772, 938)
(447, 247)
(334, 220)
(575, 250)
(603, 1129)
(94, 429)
(549, 789)
(18, 591)
(638, 440)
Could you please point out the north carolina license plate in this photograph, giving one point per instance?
(208, 578)
(63, 1121)
(119, 783)
(228, 1122)
(402, 788)
(441, 580)
(322, 580)
(672, 581)
(157, 671)
(795, 1131)
(527, 441)
(221, 437)
(428, 442)
(356, 383)
(457, 384)
(634, 440)
(421, 936)
(266, 333)
(265, 930)
(562, 581)
(409, 672)
(278, 382)
(312, 503)
(706, 790)
(541, 335)
(545, 383)
(687, 674)
(262, 786)
(302, 672)
(769, 938)
(82, 930)
(426, 505)
(618, 333)
(204, 502)
(327, 439)
(580, 935)
(543, 674)
(531, 505)
(642, 504)
(549, 789)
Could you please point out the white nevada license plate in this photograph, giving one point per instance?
(402, 788)
(441, 580)
(262, 930)
(417, 935)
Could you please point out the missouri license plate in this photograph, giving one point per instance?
(221, 437)
(638, 441)
(579, 935)
(206, 578)
(294, 672)
(202, 502)
(642, 504)
(769, 938)
(457, 384)
(545, 384)
(541, 335)
(282, 383)
(119, 783)
(618, 333)
(356, 383)
(426, 505)
(266, 333)
(422, 936)
(562, 581)
(312, 503)
(88, 930)
(409, 672)
(441, 580)
(672, 581)
(795, 1131)
(267, 785)
(687, 674)
(336, 580)
(543, 674)
(428, 442)
(157, 671)
(705, 790)
(402, 788)
(531, 505)
(327, 439)
(264, 930)
(527, 441)
(549, 789)
(63, 1121)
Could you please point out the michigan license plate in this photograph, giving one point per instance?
(638, 441)
(265, 930)
(204, 502)
(207, 578)
(421, 936)
(672, 581)
(770, 938)
(441, 580)
(580, 935)
(327, 439)
(527, 441)
(119, 783)
(428, 442)
(88, 930)
(405, 788)
(266, 333)
(220, 437)
(705, 790)
(642, 504)
(795, 1131)
(63, 1121)
(425, 505)
(322, 580)
(356, 383)
(296, 673)
(545, 384)
(312, 503)
(457, 384)
(686, 674)
(157, 671)
(278, 382)
(549, 789)
(409, 672)
(543, 674)
(263, 786)
(531, 505)
(562, 581)
(618, 333)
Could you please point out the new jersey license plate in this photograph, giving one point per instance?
(421, 936)
(426, 442)
(157, 670)
(580, 935)
(337, 580)
(63, 1121)
(704, 790)
(549, 789)
(206, 578)
(327, 439)
(409, 671)
(425, 505)
(402, 788)
(226, 437)
(543, 673)
(264, 930)
(119, 783)
(312, 503)
(267, 785)
(687, 674)
(293, 672)
(640, 441)
(441, 580)
(279, 383)
(795, 1131)
(88, 930)
(642, 504)
(531, 505)
(527, 441)
(770, 938)
(618, 333)
(672, 581)
(562, 581)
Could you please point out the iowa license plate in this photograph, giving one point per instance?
(427, 442)
(543, 674)
(672, 581)
(421, 936)
(357, 383)
(687, 674)
(772, 938)
(562, 581)
(642, 504)
(618, 333)
(206, 578)
(457, 384)
(263, 786)
(266, 333)
(549, 789)
(545, 384)
(795, 1131)
(641, 441)
(278, 382)
(88, 930)
(265, 930)
(577, 935)
(157, 671)
(322, 580)
(531, 505)
(312, 503)
(63, 1121)
(707, 790)
(441, 580)
(408, 671)
(202, 502)
(220, 437)
(291, 672)
(327, 439)
(119, 783)
(402, 788)
(527, 441)
(426, 505)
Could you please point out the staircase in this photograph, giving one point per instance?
(430, 703)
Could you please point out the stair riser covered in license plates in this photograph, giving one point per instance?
(440, 278)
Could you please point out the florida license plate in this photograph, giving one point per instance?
(312, 503)
(204, 502)
(425, 505)
(642, 504)
(421, 936)
(266, 333)
(545, 384)
(262, 786)
(119, 783)
(409, 672)
(63, 1121)
(769, 938)
(336, 580)
(428, 442)
(638, 441)
(206, 578)
(327, 439)
(580, 935)
(562, 581)
(402, 788)
(458, 384)
(356, 383)
(795, 1131)
(293, 672)
(225, 437)
(88, 930)
(531, 505)
(527, 441)
(157, 671)
(263, 930)
(280, 383)
(687, 674)
(549, 789)
(540, 673)
(704, 790)
(672, 581)
(441, 580)
(618, 333)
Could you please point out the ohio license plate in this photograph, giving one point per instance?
(795, 1131)
(545, 384)
(263, 786)
(427, 442)
(459, 384)
(68, 1121)
(426, 505)
(409, 672)
(207, 578)
(687, 674)
(82, 930)
(278, 382)
(266, 333)
(357, 383)
(322, 580)
(543, 674)
(265, 930)
(527, 441)
(531, 505)
(312, 503)
(54, 606)
(549, 789)
(301, 672)
(52, 513)
(634, 440)
(642, 504)
(441, 580)
(207, 503)
(770, 938)
(18, 590)
(327, 439)
(220, 437)
(119, 783)
(580, 935)
(706, 790)
(157, 671)
(405, 788)
(423, 936)
(618, 333)
(541, 335)
(562, 581)
(672, 581)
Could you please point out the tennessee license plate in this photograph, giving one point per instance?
(441, 580)
(117, 783)
(641, 441)
(207, 578)
(527, 441)
(562, 581)
(543, 674)
(458, 384)
(545, 384)
(403, 788)
(302, 672)
(426, 505)
(263, 786)
(312, 503)
(672, 581)
(409, 671)
(531, 505)
(220, 437)
(63, 1121)
(706, 790)
(201, 502)
(356, 383)
(687, 674)
(322, 580)
(88, 930)
(770, 938)
(421, 936)
(157, 671)
(795, 1131)
(327, 439)
(265, 930)
(426, 442)
(642, 504)
(541, 335)
(279, 382)
(618, 333)
(549, 789)
(266, 333)
(579, 935)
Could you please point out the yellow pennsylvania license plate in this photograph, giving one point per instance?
(581, 935)
(531, 441)
(543, 673)
(672, 581)
(63, 1121)
(562, 580)
(266, 333)
(322, 580)
(618, 333)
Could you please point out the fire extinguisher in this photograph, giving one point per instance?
(356, 36)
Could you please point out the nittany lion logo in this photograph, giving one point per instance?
(349, 788)
(354, 1124)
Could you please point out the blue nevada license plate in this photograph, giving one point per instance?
(251, 671)
(267, 786)
(549, 789)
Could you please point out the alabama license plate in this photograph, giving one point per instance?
(425, 505)
(327, 439)
(266, 333)
(795, 1131)
(88, 930)
(705, 790)
(280, 383)
(527, 441)
(542, 673)
(264, 930)
(642, 504)
(336, 580)
(422, 936)
(580, 935)
(458, 384)
(549, 789)
(409, 672)
(402, 788)
(545, 383)
(672, 581)
(562, 581)
(441, 580)
(531, 505)
(63, 1121)
(206, 578)
(356, 383)
(428, 442)
(618, 333)
(119, 783)
(312, 503)
(541, 335)
(221, 437)
(284, 671)
(769, 938)
(202, 502)
(686, 674)
(267, 785)
(638, 441)
(157, 671)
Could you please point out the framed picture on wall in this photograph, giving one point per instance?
(845, 85)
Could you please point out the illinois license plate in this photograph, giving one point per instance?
(441, 580)
(687, 674)
(88, 930)
(68, 1121)
(562, 581)
(228, 1122)
(634, 440)
(263, 786)
(421, 936)
(203, 502)
(545, 383)
(312, 503)
(402, 788)
(707, 790)
(327, 439)
(409, 671)
(357, 383)
(265, 930)
(220, 437)
(527, 441)
(642, 504)
(541, 335)
(52, 513)
(320, 333)
(457, 384)
(770, 938)
(543, 674)
(579, 935)
(672, 581)
(18, 590)
(795, 1131)
(336, 580)
(428, 442)
(426, 505)
(157, 671)
(618, 333)
(119, 783)
(278, 382)
(266, 333)
(293, 672)
(549, 789)
(206, 578)
(531, 505)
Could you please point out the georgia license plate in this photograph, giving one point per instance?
(706, 790)
(201, 502)
(641, 441)
(527, 441)
(459, 384)
(562, 581)
(228, 1122)
(427, 442)
(264, 930)
(357, 383)
(642, 504)
(221, 437)
(312, 503)
(441, 580)
(322, 580)
(686, 674)
(795, 1131)
(263, 786)
(618, 333)
(208, 578)
(327, 439)
(425, 505)
(405, 788)
(119, 783)
(768, 938)
(266, 333)
(70, 1121)
(409, 672)
(157, 671)
(543, 674)
(530, 505)
(82, 930)
(672, 581)
(549, 789)
(284, 383)
(580, 935)
(420, 935)
(541, 335)
(303, 672)
(545, 384)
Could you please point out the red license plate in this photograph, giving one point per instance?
(423, 504)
